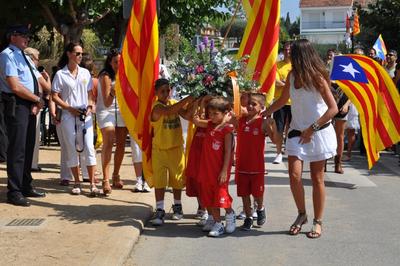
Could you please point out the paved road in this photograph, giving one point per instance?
(361, 225)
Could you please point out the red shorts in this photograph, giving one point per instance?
(250, 184)
(215, 196)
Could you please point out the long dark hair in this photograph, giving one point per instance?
(307, 66)
(64, 57)
(107, 64)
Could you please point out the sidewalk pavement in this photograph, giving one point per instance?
(77, 230)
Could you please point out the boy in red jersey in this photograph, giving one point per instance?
(251, 130)
(216, 162)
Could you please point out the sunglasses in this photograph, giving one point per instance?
(390, 55)
(78, 53)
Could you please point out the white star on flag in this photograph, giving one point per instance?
(350, 69)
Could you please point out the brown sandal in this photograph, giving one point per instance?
(117, 183)
(106, 187)
(295, 228)
(313, 234)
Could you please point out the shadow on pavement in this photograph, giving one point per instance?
(120, 215)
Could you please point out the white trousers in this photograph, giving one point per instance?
(72, 131)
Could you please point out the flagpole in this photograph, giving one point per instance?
(231, 23)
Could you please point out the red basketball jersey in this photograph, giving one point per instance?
(250, 146)
(212, 193)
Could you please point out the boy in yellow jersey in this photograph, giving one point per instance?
(167, 154)
(283, 115)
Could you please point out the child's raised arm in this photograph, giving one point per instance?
(160, 110)
(228, 141)
(190, 110)
(269, 128)
(199, 122)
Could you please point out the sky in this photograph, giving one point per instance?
(291, 6)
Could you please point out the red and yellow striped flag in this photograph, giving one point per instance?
(261, 42)
(376, 98)
(356, 25)
(138, 70)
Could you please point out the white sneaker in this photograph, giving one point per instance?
(138, 185)
(76, 190)
(158, 217)
(241, 216)
(230, 219)
(203, 219)
(146, 187)
(178, 213)
(278, 159)
(254, 215)
(216, 230)
(209, 224)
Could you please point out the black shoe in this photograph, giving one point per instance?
(19, 201)
(261, 217)
(38, 169)
(178, 213)
(34, 194)
(248, 224)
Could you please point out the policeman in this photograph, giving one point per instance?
(19, 83)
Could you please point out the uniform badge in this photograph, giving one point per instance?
(255, 132)
(246, 129)
(216, 145)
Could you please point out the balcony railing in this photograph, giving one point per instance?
(319, 25)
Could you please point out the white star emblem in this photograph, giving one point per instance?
(350, 69)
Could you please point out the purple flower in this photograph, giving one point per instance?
(205, 41)
(201, 48)
(212, 45)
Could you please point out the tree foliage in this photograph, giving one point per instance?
(189, 14)
(70, 17)
(237, 29)
(381, 17)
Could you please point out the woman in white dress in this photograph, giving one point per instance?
(311, 135)
(110, 122)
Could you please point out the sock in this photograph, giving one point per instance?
(160, 204)
(261, 209)
(139, 179)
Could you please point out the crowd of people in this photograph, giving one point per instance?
(306, 121)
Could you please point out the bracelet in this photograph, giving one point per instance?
(315, 126)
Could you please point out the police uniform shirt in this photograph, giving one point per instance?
(13, 64)
(73, 91)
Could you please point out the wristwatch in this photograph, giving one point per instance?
(315, 126)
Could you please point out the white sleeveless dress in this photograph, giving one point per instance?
(108, 116)
(307, 107)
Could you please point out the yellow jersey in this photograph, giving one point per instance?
(167, 129)
(282, 71)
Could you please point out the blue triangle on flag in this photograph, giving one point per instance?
(346, 68)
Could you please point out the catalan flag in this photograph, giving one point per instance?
(261, 42)
(380, 48)
(138, 70)
(376, 98)
(356, 25)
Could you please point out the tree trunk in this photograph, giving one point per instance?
(73, 33)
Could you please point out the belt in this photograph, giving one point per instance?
(297, 133)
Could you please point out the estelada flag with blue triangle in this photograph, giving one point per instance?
(370, 88)
(380, 48)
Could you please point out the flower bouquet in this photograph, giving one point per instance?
(209, 71)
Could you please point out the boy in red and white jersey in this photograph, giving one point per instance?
(251, 130)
